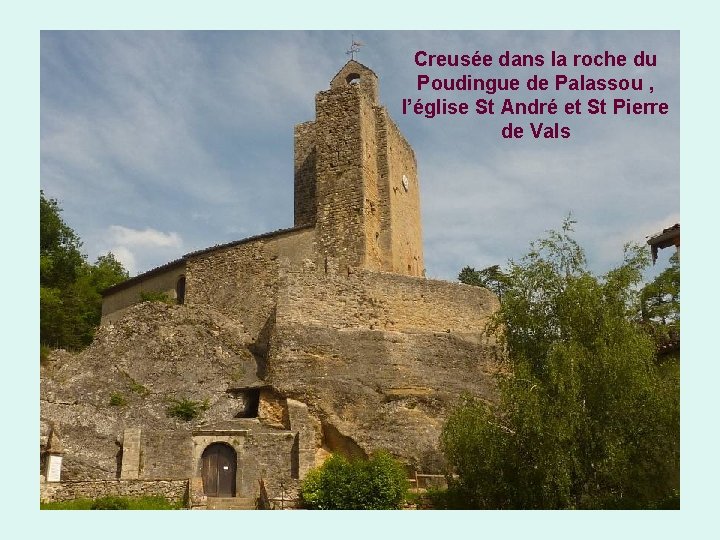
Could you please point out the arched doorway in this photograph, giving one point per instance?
(219, 464)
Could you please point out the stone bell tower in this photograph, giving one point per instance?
(356, 180)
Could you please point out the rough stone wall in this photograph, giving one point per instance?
(174, 490)
(114, 304)
(404, 206)
(375, 300)
(269, 455)
(307, 437)
(165, 454)
(241, 281)
(340, 193)
(375, 257)
(305, 174)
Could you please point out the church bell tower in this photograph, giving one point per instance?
(356, 180)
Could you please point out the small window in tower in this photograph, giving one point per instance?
(353, 78)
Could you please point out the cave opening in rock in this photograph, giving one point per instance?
(251, 401)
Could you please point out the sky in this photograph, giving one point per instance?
(158, 143)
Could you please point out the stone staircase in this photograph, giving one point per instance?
(231, 503)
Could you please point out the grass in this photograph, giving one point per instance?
(114, 503)
(44, 354)
(135, 386)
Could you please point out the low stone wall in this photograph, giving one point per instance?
(174, 490)
(382, 301)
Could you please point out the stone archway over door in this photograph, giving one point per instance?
(219, 465)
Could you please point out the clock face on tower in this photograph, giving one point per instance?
(405, 183)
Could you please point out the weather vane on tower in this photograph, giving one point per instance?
(354, 47)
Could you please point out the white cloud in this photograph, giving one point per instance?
(140, 250)
(126, 258)
(146, 238)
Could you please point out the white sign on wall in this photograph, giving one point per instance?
(53, 470)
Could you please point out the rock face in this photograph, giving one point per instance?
(286, 346)
(356, 380)
(380, 358)
(131, 374)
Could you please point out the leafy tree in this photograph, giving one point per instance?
(660, 303)
(70, 300)
(492, 278)
(584, 419)
(378, 483)
(60, 256)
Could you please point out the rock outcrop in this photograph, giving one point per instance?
(365, 389)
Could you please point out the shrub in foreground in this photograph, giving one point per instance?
(378, 483)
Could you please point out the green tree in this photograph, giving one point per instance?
(584, 419)
(492, 278)
(660, 303)
(60, 256)
(378, 483)
(70, 300)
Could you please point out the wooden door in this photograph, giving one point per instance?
(219, 463)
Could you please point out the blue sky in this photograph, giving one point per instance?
(160, 143)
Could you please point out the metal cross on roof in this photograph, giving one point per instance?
(354, 48)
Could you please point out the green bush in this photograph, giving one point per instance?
(44, 353)
(378, 483)
(117, 400)
(138, 388)
(186, 409)
(445, 499)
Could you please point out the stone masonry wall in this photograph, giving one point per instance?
(404, 206)
(340, 193)
(166, 454)
(384, 301)
(375, 257)
(241, 281)
(305, 174)
(174, 490)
